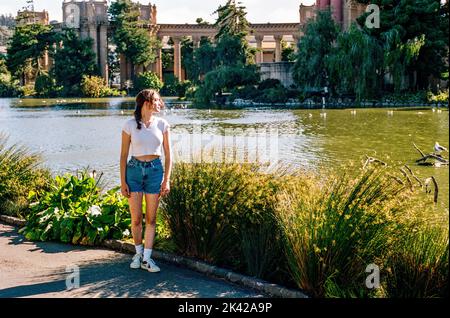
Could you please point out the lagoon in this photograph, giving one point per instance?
(73, 134)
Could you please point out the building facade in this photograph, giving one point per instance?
(90, 19)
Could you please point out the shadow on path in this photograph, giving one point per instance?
(107, 274)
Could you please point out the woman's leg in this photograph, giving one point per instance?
(135, 202)
(152, 202)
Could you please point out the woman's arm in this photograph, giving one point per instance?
(167, 164)
(125, 148)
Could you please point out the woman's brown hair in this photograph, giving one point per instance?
(146, 95)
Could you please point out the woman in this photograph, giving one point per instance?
(143, 174)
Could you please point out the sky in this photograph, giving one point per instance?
(185, 11)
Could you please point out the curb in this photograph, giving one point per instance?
(271, 289)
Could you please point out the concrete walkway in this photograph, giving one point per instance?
(38, 269)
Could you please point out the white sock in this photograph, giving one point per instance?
(147, 254)
(139, 249)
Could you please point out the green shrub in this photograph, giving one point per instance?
(418, 268)
(28, 90)
(269, 83)
(9, 87)
(45, 86)
(245, 92)
(441, 97)
(335, 230)
(147, 80)
(19, 173)
(75, 211)
(273, 95)
(213, 208)
(95, 86)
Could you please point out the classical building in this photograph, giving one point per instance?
(344, 11)
(90, 19)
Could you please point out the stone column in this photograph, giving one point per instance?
(158, 64)
(336, 7)
(296, 39)
(104, 52)
(278, 47)
(177, 57)
(259, 53)
(93, 36)
(196, 40)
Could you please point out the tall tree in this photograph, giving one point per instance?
(129, 35)
(73, 59)
(355, 63)
(414, 34)
(205, 57)
(311, 68)
(231, 20)
(7, 20)
(27, 46)
(233, 27)
(233, 57)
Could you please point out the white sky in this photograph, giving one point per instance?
(185, 11)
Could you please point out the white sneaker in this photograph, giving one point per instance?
(136, 262)
(150, 266)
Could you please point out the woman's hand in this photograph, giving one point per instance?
(165, 188)
(125, 190)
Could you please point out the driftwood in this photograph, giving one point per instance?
(423, 160)
(436, 188)
(420, 151)
(371, 159)
(396, 179)
(407, 178)
(434, 156)
(414, 176)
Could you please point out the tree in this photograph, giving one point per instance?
(232, 46)
(200, 21)
(233, 57)
(414, 34)
(129, 35)
(310, 70)
(231, 20)
(355, 64)
(148, 80)
(7, 20)
(26, 48)
(73, 60)
(45, 85)
(3, 68)
(287, 52)
(113, 65)
(205, 57)
(187, 59)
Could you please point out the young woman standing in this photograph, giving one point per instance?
(143, 175)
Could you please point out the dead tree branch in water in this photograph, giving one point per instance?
(414, 176)
(436, 188)
(371, 159)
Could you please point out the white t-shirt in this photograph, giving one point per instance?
(146, 141)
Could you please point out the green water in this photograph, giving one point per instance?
(76, 133)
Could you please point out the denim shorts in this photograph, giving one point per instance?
(144, 176)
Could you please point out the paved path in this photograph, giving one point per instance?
(38, 269)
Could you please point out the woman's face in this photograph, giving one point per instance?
(157, 104)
